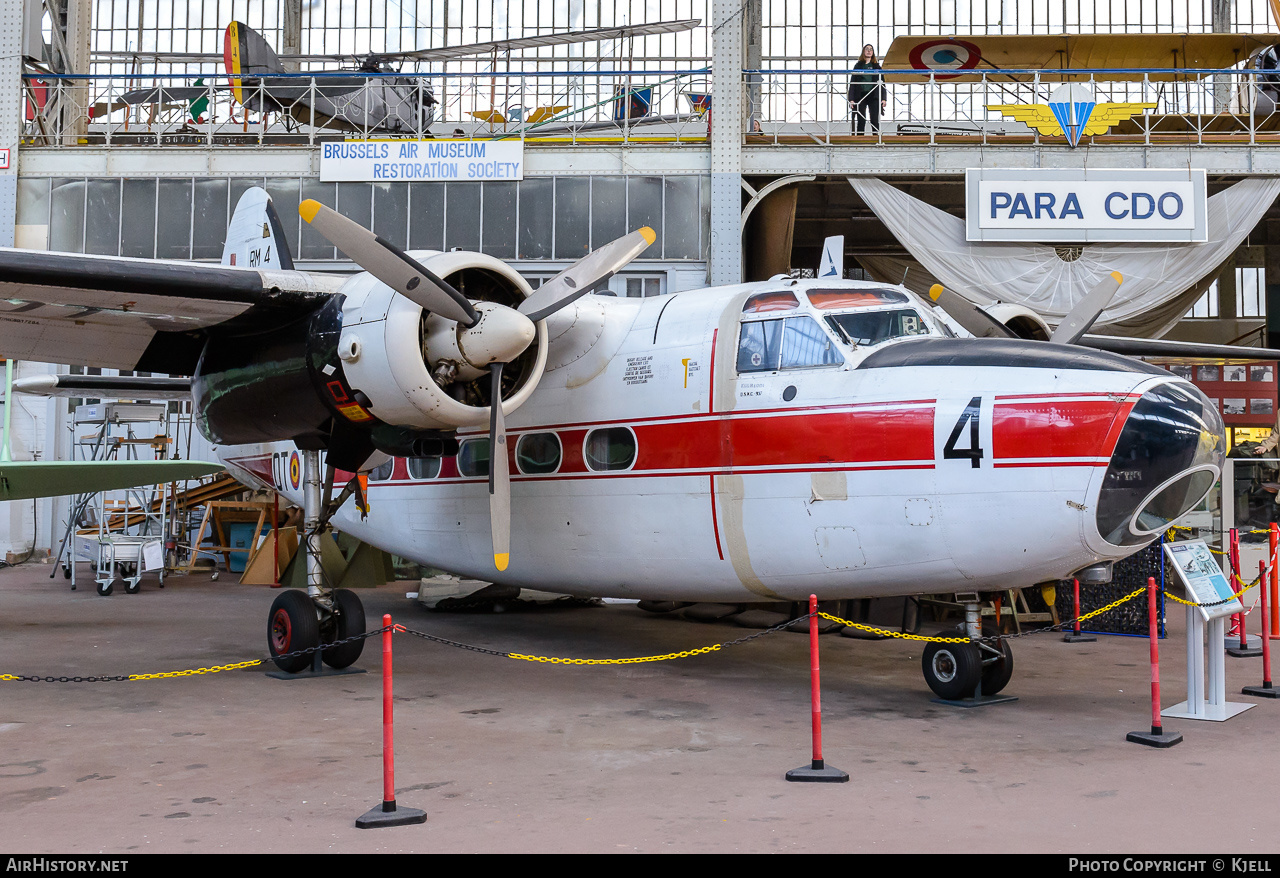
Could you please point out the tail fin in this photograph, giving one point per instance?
(832, 257)
(255, 237)
(246, 53)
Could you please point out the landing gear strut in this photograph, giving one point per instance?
(971, 671)
(300, 621)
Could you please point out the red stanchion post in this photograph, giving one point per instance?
(1157, 737)
(1273, 540)
(388, 814)
(1265, 690)
(1239, 620)
(817, 770)
(1074, 635)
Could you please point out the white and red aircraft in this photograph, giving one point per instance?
(758, 442)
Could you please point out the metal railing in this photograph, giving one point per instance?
(1183, 106)
(1179, 105)
(305, 108)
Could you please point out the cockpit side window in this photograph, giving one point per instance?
(760, 346)
(874, 327)
(787, 343)
(805, 344)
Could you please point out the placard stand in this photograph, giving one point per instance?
(1215, 602)
(1206, 702)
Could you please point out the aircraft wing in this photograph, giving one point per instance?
(449, 53)
(24, 479)
(142, 314)
(1169, 350)
(958, 56)
(110, 386)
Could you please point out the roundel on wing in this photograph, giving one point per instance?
(295, 470)
(945, 55)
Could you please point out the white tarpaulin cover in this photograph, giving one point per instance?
(1161, 281)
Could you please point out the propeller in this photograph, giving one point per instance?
(977, 322)
(389, 264)
(1081, 317)
(980, 324)
(499, 477)
(490, 335)
(586, 274)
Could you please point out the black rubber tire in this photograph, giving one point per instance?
(292, 624)
(347, 622)
(952, 670)
(996, 674)
(105, 590)
(132, 589)
(66, 572)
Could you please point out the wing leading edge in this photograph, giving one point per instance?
(125, 313)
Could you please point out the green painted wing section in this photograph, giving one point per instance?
(24, 479)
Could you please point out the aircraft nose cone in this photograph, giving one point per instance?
(1168, 456)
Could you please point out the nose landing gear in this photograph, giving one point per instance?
(968, 673)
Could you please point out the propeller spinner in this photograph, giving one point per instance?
(490, 335)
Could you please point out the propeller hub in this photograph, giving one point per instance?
(499, 335)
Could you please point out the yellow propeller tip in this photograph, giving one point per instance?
(1119, 278)
(501, 561)
(648, 234)
(308, 209)
(935, 291)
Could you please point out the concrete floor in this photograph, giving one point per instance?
(510, 756)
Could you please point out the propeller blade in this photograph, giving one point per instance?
(499, 477)
(389, 264)
(586, 274)
(979, 323)
(1082, 316)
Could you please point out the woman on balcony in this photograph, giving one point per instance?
(867, 96)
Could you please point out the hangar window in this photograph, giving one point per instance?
(611, 448)
(790, 343)
(383, 472)
(473, 457)
(873, 327)
(424, 467)
(538, 453)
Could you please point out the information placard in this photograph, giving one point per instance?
(421, 160)
(1075, 205)
(1203, 580)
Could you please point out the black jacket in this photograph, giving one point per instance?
(862, 85)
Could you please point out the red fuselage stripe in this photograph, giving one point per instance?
(1076, 428)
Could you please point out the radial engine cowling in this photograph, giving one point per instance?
(1020, 320)
(421, 371)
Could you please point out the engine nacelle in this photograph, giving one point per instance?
(1020, 320)
(410, 369)
(368, 370)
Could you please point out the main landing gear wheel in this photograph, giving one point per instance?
(952, 670)
(291, 626)
(346, 621)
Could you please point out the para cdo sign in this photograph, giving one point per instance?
(362, 161)
(1085, 206)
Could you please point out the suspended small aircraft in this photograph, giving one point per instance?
(1154, 57)
(755, 442)
(370, 100)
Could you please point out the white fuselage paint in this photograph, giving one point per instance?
(739, 493)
